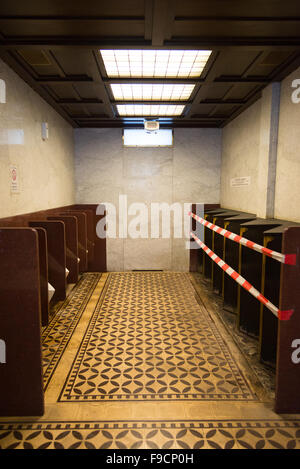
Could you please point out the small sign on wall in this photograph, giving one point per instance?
(14, 179)
(240, 181)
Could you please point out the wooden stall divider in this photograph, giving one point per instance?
(208, 239)
(288, 349)
(268, 331)
(21, 390)
(82, 237)
(71, 234)
(250, 267)
(96, 247)
(218, 248)
(98, 264)
(231, 257)
(193, 252)
(196, 255)
(43, 261)
(56, 246)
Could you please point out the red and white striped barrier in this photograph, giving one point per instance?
(290, 259)
(283, 315)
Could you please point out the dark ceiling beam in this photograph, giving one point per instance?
(79, 101)
(241, 80)
(234, 41)
(121, 42)
(140, 125)
(67, 79)
(223, 101)
(163, 18)
(70, 18)
(157, 80)
(165, 101)
(98, 71)
(97, 118)
(148, 19)
(224, 79)
(56, 42)
(223, 19)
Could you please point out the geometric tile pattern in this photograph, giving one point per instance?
(150, 339)
(57, 334)
(205, 434)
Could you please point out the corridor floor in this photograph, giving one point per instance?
(141, 360)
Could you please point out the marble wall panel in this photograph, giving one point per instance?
(187, 172)
(45, 168)
(287, 188)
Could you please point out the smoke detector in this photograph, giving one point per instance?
(151, 125)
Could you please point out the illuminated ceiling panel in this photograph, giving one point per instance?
(150, 110)
(155, 92)
(154, 63)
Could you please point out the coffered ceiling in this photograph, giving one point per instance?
(55, 47)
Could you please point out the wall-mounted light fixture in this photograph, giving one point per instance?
(45, 131)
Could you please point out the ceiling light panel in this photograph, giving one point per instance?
(154, 63)
(147, 110)
(145, 92)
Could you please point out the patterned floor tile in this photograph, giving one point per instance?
(196, 434)
(149, 338)
(57, 334)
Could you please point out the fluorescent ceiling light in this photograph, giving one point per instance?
(154, 92)
(154, 63)
(150, 109)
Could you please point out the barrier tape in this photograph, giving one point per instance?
(290, 259)
(282, 315)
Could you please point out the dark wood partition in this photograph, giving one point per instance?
(231, 257)
(56, 245)
(43, 262)
(208, 240)
(196, 255)
(21, 389)
(90, 238)
(218, 248)
(96, 247)
(99, 261)
(82, 237)
(288, 352)
(271, 277)
(71, 236)
(248, 317)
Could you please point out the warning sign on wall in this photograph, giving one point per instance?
(14, 179)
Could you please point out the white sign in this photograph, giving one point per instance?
(241, 181)
(14, 179)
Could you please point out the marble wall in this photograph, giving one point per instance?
(287, 188)
(187, 172)
(45, 169)
(264, 143)
(240, 158)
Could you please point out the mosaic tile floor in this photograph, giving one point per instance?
(56, 335)
(154, 435)
(138, 360)
(149, 339)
